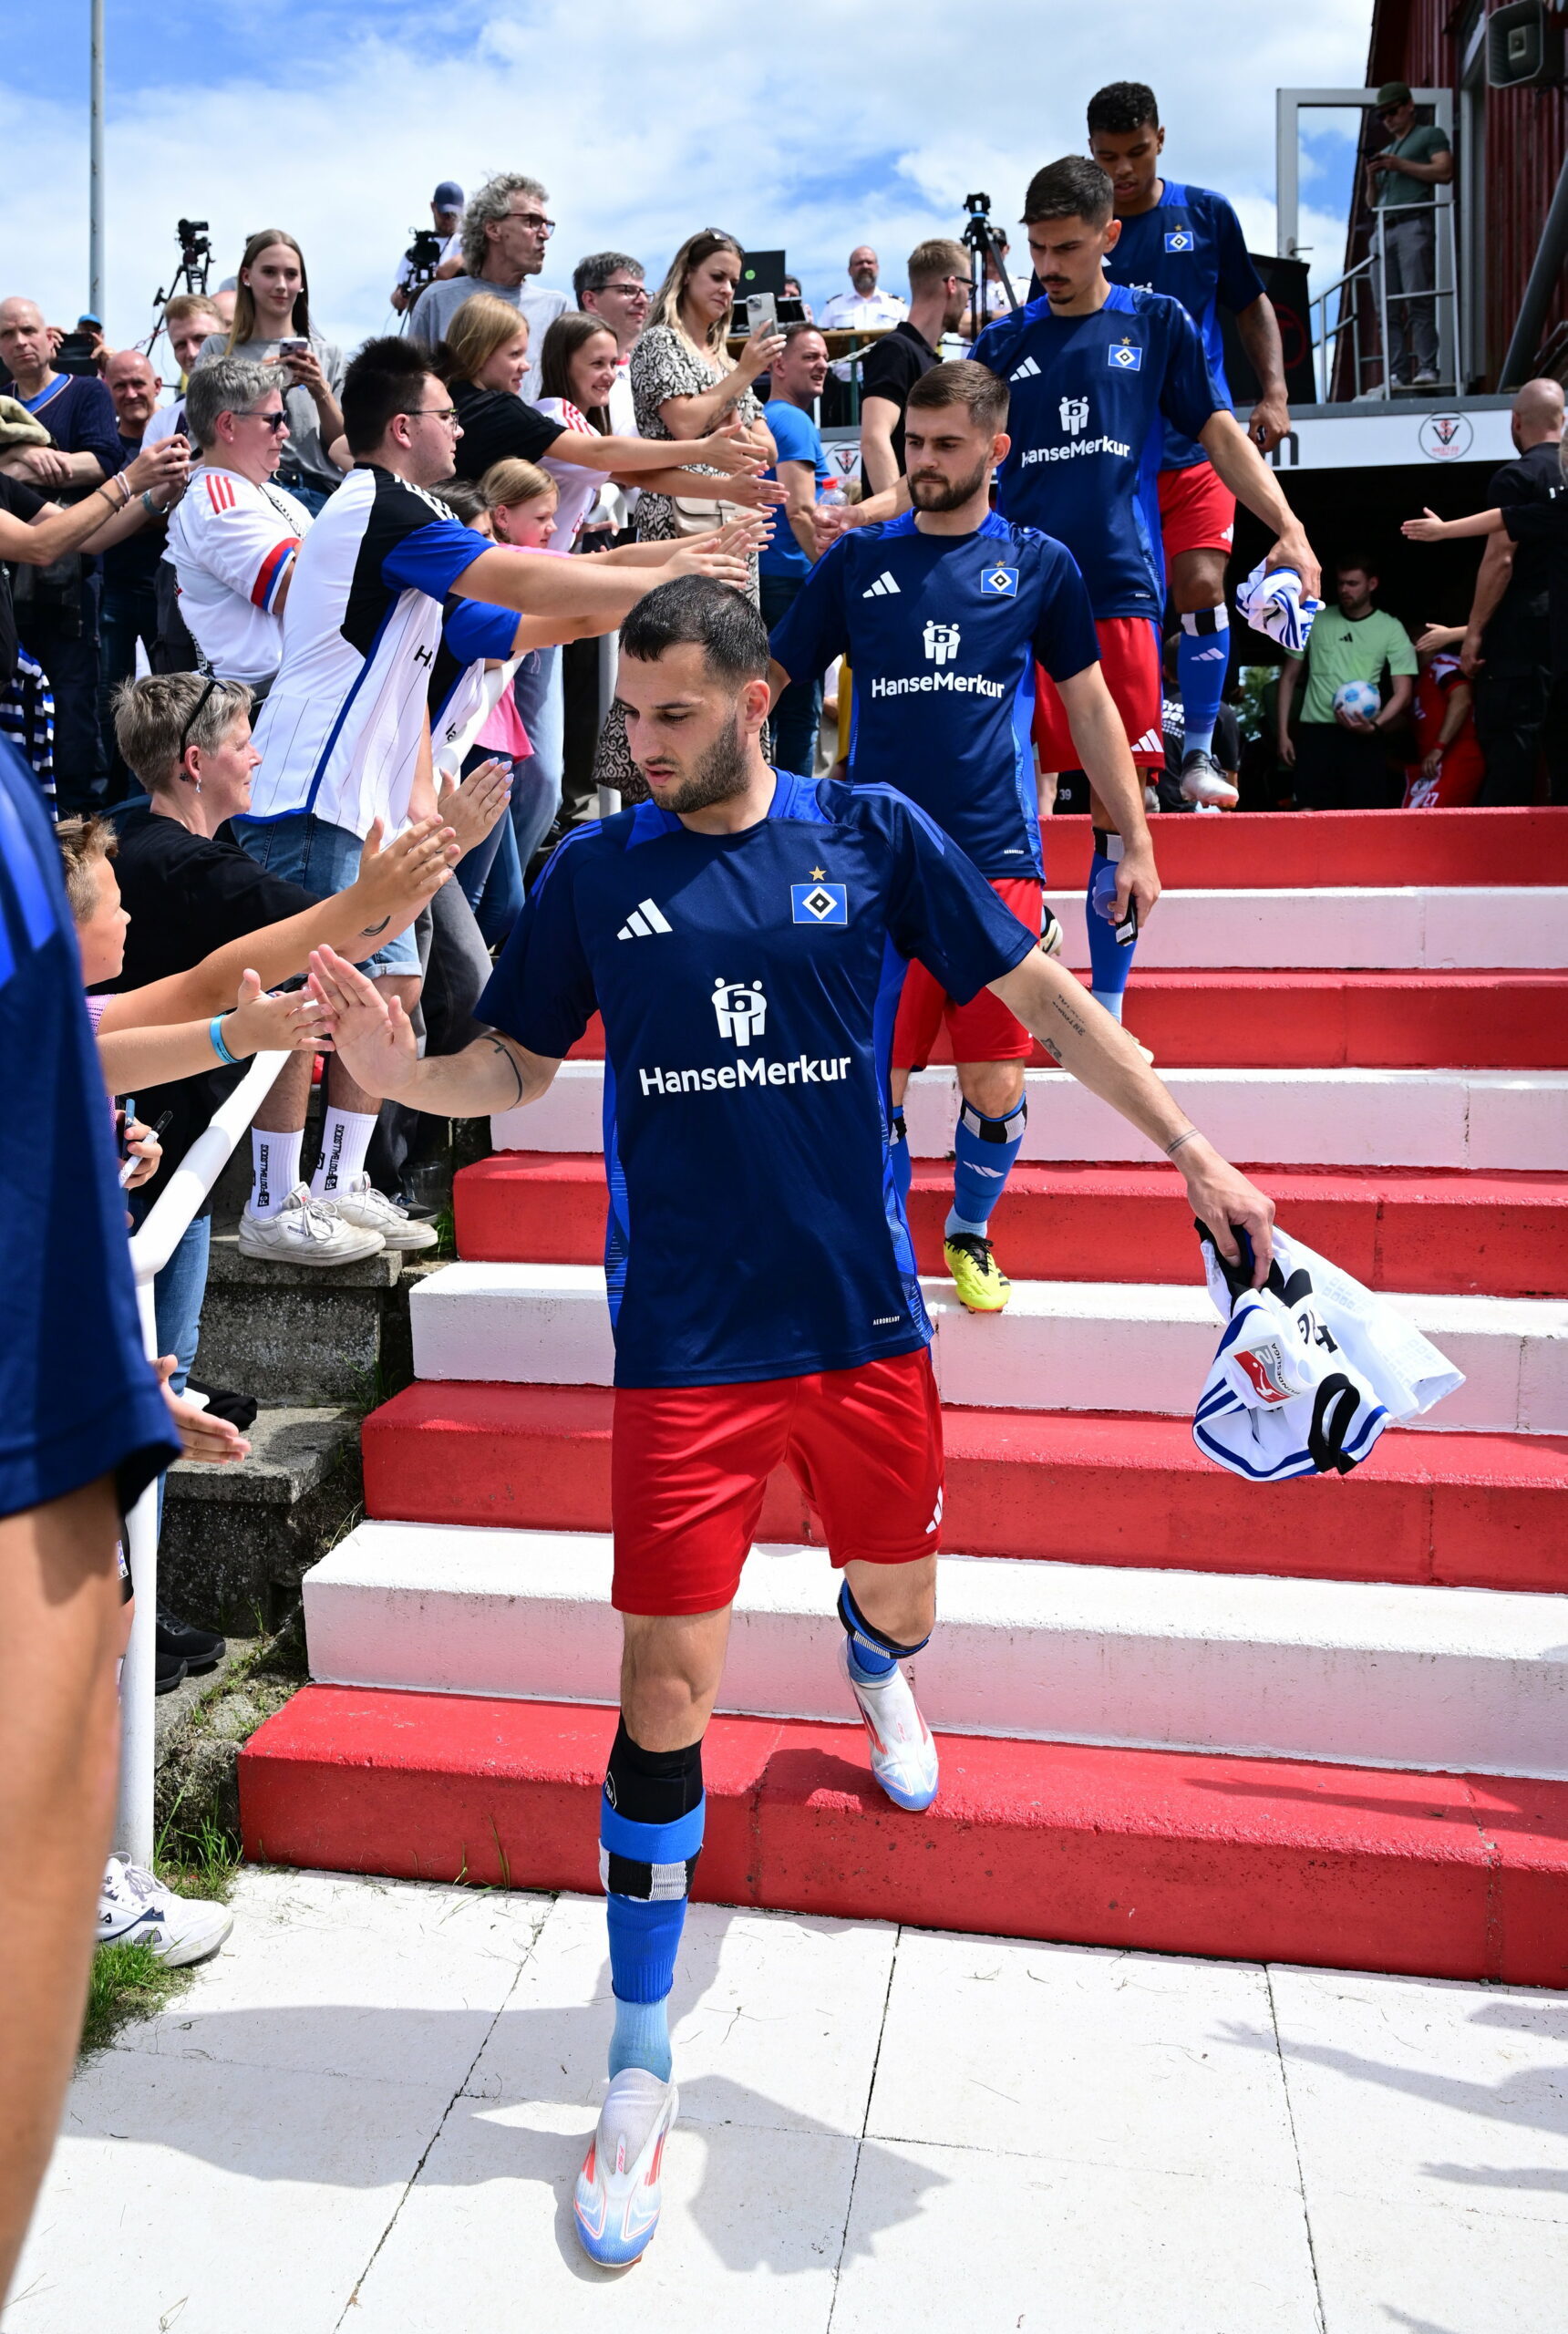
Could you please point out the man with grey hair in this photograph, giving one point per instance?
(235, 537)
(504, 236)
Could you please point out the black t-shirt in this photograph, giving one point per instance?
(187, 894)
(1518, 637)
(891, 371)
(22, 503)
(1543, 526)
(496, 425)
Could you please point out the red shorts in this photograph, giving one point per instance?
(689, 1465)
(1129, 659)
(1197, 511)
(982, 1030)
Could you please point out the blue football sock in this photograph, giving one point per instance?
(1202, 661)
(650, 1836)
(898, 1160)
(983, 1152)
(1110, 959)
(872, 1656)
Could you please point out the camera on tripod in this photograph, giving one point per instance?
(979, 238)
(424, 256)
(195, 249)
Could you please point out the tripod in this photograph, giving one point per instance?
(191, 275)
(980, 238)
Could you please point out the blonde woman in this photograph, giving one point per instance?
(272, 324)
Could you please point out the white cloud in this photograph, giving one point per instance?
(645, 123)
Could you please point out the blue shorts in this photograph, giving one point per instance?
(324, 858)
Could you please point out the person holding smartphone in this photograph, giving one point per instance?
(272, 324)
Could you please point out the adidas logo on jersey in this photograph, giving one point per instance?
(881, 588)
(1028, 371)
(644, 920)
(1152, 742)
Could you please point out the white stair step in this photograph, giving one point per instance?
(1449, 1678)
(1059, 1345)
(1341, 928)
(1477, 1118)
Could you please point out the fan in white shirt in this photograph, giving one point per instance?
(235, 537)
(865, 309)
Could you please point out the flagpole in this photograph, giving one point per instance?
(95, 191)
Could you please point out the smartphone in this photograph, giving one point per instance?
(294, 348)
(762, 308)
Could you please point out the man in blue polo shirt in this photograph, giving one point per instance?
(745, 935)
(1185, 241)
(1097, 373)
(784, 563)
(944, 614)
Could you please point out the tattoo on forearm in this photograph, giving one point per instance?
(504, 1054)
(1069, 1015)
(1054, 1050)
(1190, 1135)
(369, 931)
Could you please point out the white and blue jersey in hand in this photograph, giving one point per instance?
(1090, 397)
(943, 634)
(748, 985)
(1189, 245)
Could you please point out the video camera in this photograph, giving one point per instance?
(424, 256)
(195, 252)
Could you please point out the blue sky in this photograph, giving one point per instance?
(642, 123)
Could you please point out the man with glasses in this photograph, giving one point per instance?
(609, 286)
(505, 234)
(1400, 179)
(234, 538)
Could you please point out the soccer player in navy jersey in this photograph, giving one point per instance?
(1187, 241)
(943, 615)
(745, 935)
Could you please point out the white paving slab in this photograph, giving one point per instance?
(1059, 1345)
(1342, 928)
(1480, 1118)
(1364, 1673)
(1057, 2139)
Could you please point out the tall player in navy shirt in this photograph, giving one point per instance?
(1097, 373)
(745, 935)
(943, 615)
(1185, 241)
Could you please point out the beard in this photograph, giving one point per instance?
(938, 495)
(718, 777)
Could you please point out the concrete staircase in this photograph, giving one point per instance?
(1320, 1721)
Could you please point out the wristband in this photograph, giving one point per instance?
(215, 1031)
(153, 510)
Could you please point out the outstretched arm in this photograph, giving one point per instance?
(375, 1039)
(1430, 528)
(1082, 1037)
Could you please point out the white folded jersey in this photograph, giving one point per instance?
(233, 545)
(1311, 1369)
(1272, 602)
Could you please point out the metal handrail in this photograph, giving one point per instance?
(1371, 275)
(168, 1221)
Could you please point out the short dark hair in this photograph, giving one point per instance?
(793, 332)
(387, 377)
(1355, 557)
(963, 382)
(592, 274)
(697, 609)
(1122, 106)
(1074, 188)
(464, 497)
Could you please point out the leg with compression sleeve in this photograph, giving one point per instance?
(1111, 958)
(650, 1836)
(983, 1150)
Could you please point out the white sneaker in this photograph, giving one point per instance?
(1203, 781)
(135, 1908)
(360, 1204)
(903, 1756)
(617, 2207)
(306, 1232)
(1427, 380)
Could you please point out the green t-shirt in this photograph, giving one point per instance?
(1341, 649)
(1422, 144)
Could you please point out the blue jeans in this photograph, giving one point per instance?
(325, 858)
(798, 715)
(490, 877)
(540, 693)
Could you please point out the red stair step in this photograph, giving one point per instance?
(1451, 1234)
(1291, 851)
(1478, 1510)
(1244, 1859)
(1303, 1021)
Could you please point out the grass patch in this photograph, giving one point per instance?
(126, 1982)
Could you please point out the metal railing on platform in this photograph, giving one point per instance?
(1370, 315)
(168, 1221)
